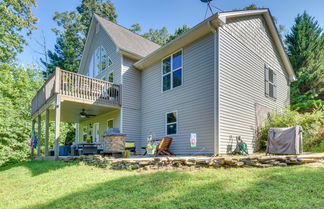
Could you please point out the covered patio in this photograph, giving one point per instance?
(64, 97)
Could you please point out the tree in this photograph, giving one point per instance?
(158, 36)
(15, 16)
(17, 88)
(162, 36)
(251, 7)
(178, 32)
(72, 30)
(136, 28)
(305, 47)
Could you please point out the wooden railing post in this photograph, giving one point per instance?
(57, 80)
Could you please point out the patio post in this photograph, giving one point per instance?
(33, 131)
(57, 126)
(39, 138)
(77, 132)
(46, 131)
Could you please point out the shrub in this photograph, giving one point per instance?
(311, 122)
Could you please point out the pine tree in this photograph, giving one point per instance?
(305, 46)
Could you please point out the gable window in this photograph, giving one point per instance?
(99, 62)
(270, 83)
(111, 76)
(172, 71)
(171, 123)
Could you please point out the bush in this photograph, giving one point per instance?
(311, 122)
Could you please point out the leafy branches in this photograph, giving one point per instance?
(15, 16)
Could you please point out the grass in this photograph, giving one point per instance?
(45, 184)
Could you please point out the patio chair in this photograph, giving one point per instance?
(131, 146)
(164, 146)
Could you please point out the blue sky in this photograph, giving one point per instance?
(159, 13)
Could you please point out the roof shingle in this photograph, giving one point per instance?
(126, 39)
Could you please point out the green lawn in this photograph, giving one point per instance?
(67, 185)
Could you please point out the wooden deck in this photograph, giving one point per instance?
(76, 88)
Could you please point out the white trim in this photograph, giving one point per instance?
(94, 132)
(172, 70)
(218, 92)
(121, 82)
(166, 123)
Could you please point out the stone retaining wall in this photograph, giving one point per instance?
(194, 162)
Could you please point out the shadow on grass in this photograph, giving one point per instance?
(271, 188)
(39, 167)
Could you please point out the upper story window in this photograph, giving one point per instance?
(270, 83)
(172, 71)
(99, 62)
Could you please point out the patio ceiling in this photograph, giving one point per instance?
(70, 110)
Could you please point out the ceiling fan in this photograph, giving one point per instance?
(83, 114)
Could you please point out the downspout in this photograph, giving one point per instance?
(214, 30)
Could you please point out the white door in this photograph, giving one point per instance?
(96, 133)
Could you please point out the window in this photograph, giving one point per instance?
(270, 83)
(99, 62)
(110, 124)
(171, 123)
(172, 71)
(111, 77)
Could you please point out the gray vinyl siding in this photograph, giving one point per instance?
(102, 120)
(102, 39)
(131, 102)
(193, 101)
(245, 48)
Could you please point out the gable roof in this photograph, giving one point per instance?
(127, 41)
(211, 24)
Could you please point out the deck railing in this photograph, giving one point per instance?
(77, 86)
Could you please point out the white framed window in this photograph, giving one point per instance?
(110, 123)
(171, 127)
(111, 76)
(99, 62)
(270, 83)
(172, 71)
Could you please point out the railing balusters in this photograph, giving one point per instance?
(77, 86)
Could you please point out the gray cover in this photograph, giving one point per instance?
(285, 140)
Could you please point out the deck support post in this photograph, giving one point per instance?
(57, 125)
(32, 136)
(46, 131)
(39, 138)
(77, 132)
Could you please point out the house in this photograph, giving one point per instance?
(219, 80)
